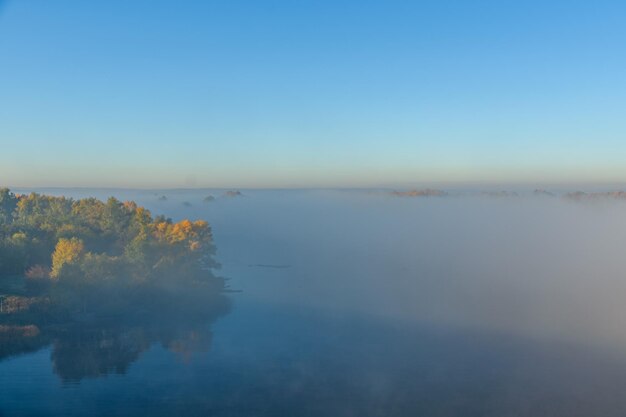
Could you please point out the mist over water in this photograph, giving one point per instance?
(361, 303)
(529, 266)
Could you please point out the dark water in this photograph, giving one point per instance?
(355, 304)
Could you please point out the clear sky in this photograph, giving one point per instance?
(229, 93)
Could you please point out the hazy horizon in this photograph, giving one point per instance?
(451, 188)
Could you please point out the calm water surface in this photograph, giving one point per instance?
(355, 304)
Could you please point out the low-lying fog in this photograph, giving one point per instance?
(531, 266)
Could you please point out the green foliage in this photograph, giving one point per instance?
(88, 242)
(8, 202)
(44, 213)
(96, 267)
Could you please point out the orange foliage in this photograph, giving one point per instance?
(186, 232)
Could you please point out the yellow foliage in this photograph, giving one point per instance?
(66, 252)
(130, 205)
(193, 234)
(19, 237)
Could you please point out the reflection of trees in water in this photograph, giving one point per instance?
(95, 347)
(18, 339)
(94, 352)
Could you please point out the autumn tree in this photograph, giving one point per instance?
(95, 241)
(66, 253)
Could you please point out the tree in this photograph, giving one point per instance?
(66, 253)
(8, 202)
(91, 241)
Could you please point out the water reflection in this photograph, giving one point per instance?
(92, 346)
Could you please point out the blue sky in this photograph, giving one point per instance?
(311, 93)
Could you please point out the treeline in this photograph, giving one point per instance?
(88, 241)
